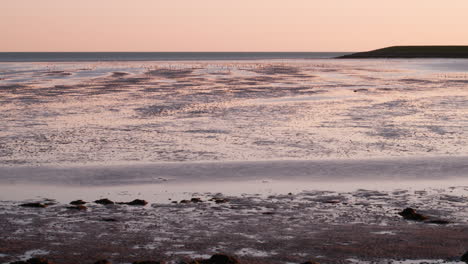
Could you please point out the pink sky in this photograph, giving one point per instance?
(229, 25)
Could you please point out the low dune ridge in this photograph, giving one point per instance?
(412, 52)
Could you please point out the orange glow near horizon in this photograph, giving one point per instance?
(218, 25)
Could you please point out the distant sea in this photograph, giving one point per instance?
(159, 56)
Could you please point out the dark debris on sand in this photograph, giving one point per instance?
(361, 225)
(34, 205)
(77, 202)
(34, 261)
(78, 207)
(104, 201)
(136, 202)
(148, 262)
(215, 259)
(103, 261)
(464, 258)
(411, 214)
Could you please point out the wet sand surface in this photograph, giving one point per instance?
(331, 211)
(329, 227)
(113, 112)
(353, 142)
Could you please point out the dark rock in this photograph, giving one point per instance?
(148, 262)
(174, 202)
(119, 74)
(215, 259)
(221, 259)
(268, 213)
(196, 200)
(78, 207)
(34, 205)
(332, 201)
(78, 202)
(438, 222)
(219, 201)
(136, 202)
(102, 261)
(38, 261)
(191, 261)
(410, 214)
(19, 262)
(185, 201)
(310, 262)
(360, 90)
(109, 220)
(464, 258)
(104, 201)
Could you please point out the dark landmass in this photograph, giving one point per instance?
(412, 52)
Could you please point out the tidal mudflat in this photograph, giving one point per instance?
(309, 160)
(104, 113)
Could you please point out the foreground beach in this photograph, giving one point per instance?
(260, 212)
(275, 161)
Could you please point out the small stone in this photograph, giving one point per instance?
(78, 202)
(219, 201)
(109, 220)
(102, 261)
(38, 261)
(464, 258)
(410, 214)
(332, 201)
(34, 205)
(438, 222)
(78, 207)
(138, 202)
(104, 201)
(148, 262)
(185, 201)
(196, 200)
(222, 259)
(192, 261)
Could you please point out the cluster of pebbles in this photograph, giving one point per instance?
(408, 213)
(80, 204)
(215, 259)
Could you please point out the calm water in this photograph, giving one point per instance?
(159, 56)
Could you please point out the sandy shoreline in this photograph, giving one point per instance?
(160, 181)
(329, 227)
(413, 167)
(331, 211)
